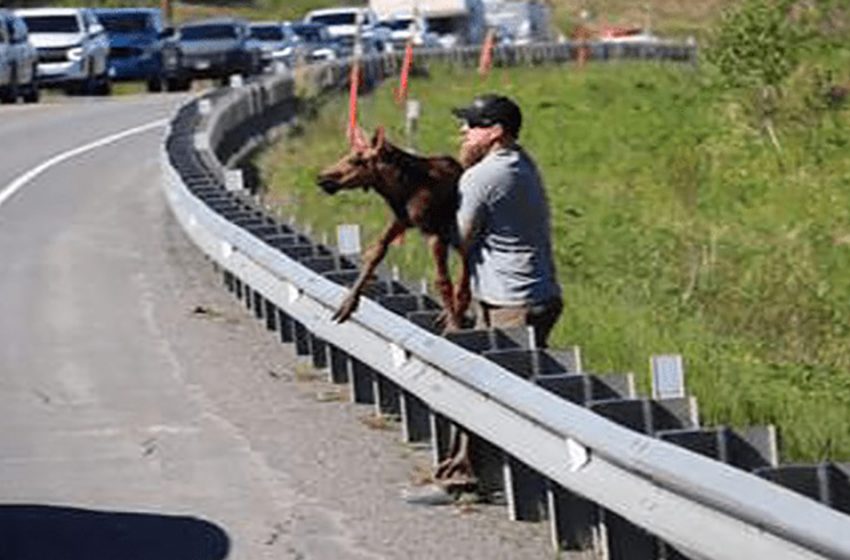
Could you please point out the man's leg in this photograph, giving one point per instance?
(543, 318)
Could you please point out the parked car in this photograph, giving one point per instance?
(217, 48)
(316, 43)
(137, 40)
(403, 27)
(73, 50)
(277, 40)
(19, 75)
(342, 26)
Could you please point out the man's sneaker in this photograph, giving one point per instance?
(428, 495)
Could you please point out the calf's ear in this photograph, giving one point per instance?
(378, 138)
(358, 139)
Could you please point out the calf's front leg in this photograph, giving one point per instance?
(371, 259)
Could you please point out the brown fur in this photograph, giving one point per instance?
(420, 191)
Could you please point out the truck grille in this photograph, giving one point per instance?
(53, 55)
(124, 52)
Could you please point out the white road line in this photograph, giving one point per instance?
(22, 180)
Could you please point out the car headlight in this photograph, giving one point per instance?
(283, 53)
(75, 53)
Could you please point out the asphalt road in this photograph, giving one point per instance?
(145, 414)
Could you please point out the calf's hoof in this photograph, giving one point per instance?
(348, 307)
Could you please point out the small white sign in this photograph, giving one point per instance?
(204, 107)
(292, 292)
(398, 354)
(201, 141)
(226, 249)
(236, 81)
(233, 180)
(414, 109)
(577, 455)
(348, 239)
(668, 376)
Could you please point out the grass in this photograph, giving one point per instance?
(678, 18)
(676, 231)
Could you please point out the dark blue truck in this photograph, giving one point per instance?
(141, 48)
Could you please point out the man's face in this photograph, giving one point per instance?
(476, 141)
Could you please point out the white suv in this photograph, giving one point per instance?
(342, 25)
(73, 49)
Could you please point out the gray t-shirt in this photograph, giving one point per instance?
(503, 199)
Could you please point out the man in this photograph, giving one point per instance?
(503, 222)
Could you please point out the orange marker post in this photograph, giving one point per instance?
(485, 62)
(352, 101)
(406, 65)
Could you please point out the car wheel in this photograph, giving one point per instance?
(90, 85)
(178, 84)
(10, 93)
(154, 84)
(32, 94)
(103, 85)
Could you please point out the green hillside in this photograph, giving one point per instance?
(695, 212)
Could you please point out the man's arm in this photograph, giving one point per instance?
(470, 221)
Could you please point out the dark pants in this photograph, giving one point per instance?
(541, 316)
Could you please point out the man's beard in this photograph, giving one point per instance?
(470, 154)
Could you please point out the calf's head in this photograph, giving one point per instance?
(358, 168)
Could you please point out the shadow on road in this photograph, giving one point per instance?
(34, 532)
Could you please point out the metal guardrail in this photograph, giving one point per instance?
(597, 477)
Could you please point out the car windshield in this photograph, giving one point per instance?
(335, 19)
(267, 33)
(125, 23)
(52, 24)
(398, 24)
(205, 32)
(309, 33)
(442, 26)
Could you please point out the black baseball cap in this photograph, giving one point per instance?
(491, 109)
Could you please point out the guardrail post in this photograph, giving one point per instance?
(247, 292)
(441, 436)
(488, 465)
(338, 371)
(259, 305)
(285, 327)
(626, 541)
(302, 339)
(525, 491)
(238, 291)
(271, 316)
(360, 375)
(387, 396)
(319, 350)
(415, 424)
(573, 521)
(229, 282)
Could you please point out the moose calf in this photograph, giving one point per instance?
(421, 192)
